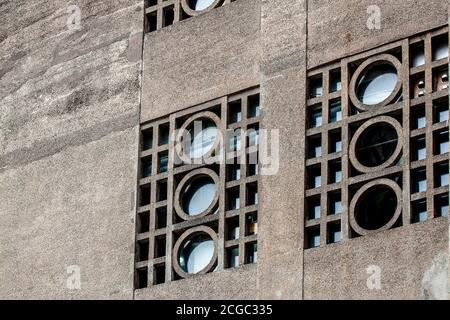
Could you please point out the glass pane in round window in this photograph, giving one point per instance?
(376, 144)
(203, 135)
(198, 196)
(196, 253)
(376, 208)
(377, 84)
(199, 5)
(440, 51)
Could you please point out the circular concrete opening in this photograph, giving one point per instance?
(376, 206)
(196, 253)
(196, 7)
(377, 84)
(376, 144)
(199, 138)
(203, 133)
(197, 194)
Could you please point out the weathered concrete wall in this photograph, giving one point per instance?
(339, 28)
(69, 115)
(408, 259)
(201, 59)
(69, 110)
(229, 284)
(283, 90)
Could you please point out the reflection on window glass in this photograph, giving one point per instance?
(196, 254)
(440, 49)
(199, 5)
(335, 111)
(315, 118)
(235, 141)
(146, 168)
(234, 257)
(376, 144)
(203, 136)
(377, 84)
(335, 81)
(199, 196)
(418, 58)
(254, 106)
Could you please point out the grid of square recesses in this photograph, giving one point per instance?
(163, 13)
(421, 168)
(234, 222)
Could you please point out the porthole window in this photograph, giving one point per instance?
(203, 136)
(375, 207)
(197, 194)
(375, 144)
(196, 7)
(376, 82)
(198, 138)
(196, 253)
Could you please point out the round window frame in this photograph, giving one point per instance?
(179, 245)
(366, 66)
(185, 182)
(179, 150)
(191, 12)
(361, 192)
(391, 160)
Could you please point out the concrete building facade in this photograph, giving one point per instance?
(92, 197)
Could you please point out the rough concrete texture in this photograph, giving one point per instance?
(69, 110)
(236, 284)
(283, 90)
(69, 117)
(201, 59)
(409, 260)
(339, 28)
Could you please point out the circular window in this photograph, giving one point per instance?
(198, 138)
(203, 133)
(196, 7)
(375, 207)
(195, 252)
(375, 82)
(375, 145)
(200, 5)
(196, 195)
(199, 195)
